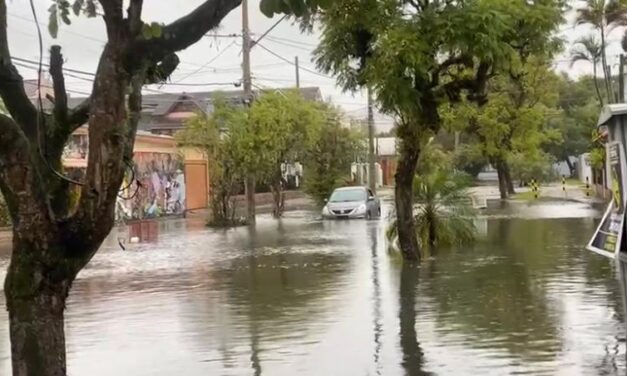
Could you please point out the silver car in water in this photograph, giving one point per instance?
(352, 202)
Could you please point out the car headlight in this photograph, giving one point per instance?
(361, 209)
(325, 211)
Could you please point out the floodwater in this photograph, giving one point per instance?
(306, 297)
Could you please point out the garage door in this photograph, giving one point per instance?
(196, 184)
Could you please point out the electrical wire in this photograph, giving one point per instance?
(210, 61)
(292, 63)
(268, 31)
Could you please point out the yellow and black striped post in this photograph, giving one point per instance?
(534, 187)
(564, 184)
(587, 187)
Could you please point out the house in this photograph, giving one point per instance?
(387, 157)
(170, 180)
(167, 113)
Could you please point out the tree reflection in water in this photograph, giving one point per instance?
(376, 288)
(413, 357)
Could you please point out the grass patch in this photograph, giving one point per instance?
(525, 196)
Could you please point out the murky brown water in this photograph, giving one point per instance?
(303, 297)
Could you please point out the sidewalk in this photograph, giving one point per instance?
(294, 200)
(552, 191)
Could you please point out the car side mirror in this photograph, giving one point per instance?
(371, 198)
(326, 200)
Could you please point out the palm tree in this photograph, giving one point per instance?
(444, 215)
(604, 16)
(588, 49)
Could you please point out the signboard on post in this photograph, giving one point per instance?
(607, 239)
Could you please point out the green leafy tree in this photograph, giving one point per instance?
(603, 16)
(328, 159)
(283, 124)
(576, 120)
(211, 135)
(53, 239)
(417, 55)
(512, 125)
(444, 216)
(588, 49)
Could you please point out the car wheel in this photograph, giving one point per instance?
(379, 213)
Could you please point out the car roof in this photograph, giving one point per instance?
(351, 188)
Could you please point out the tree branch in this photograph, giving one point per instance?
(135, 16)
(114, 17)
(80, 114)
(186, 30)
(60, 95)
(11, 84)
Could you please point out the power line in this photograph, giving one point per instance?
(294, 41)
(292, 63)
(271, 39)
(210, 61)
(267, 31)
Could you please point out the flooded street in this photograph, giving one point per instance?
(306, 297)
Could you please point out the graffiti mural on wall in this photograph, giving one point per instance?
(161, 188)
(77, 147)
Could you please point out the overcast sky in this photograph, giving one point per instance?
(218, 60)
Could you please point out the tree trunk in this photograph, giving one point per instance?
(571, 166)
(508, 179)
(596, 82)
(35, 298)
(502, 181)
(606, 74)
(403, 194)
(250, 199)
(278, 195)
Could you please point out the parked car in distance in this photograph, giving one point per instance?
(352, 202)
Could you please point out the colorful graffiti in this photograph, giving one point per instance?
(77, 147)
(158, 188)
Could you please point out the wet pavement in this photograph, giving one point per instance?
(305, 297)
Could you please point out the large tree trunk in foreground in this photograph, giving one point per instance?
(53, 241)
(404, 199)
(36, 301)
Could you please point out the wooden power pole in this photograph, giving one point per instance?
(297, 66)
(621, 79)
(372, 174)
(250, 180)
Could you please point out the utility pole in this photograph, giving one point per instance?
(372, 178)
(249, 183)
(621, 79)
(297, 72)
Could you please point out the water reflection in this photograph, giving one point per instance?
(305, 297)
(376, 293)
(412, 359)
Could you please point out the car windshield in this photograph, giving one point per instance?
(346, 195)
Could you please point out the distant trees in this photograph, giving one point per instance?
(328, 158)
(213, 135)
(283, 125)
(603, 16)
(280, 128)
(419, 55)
